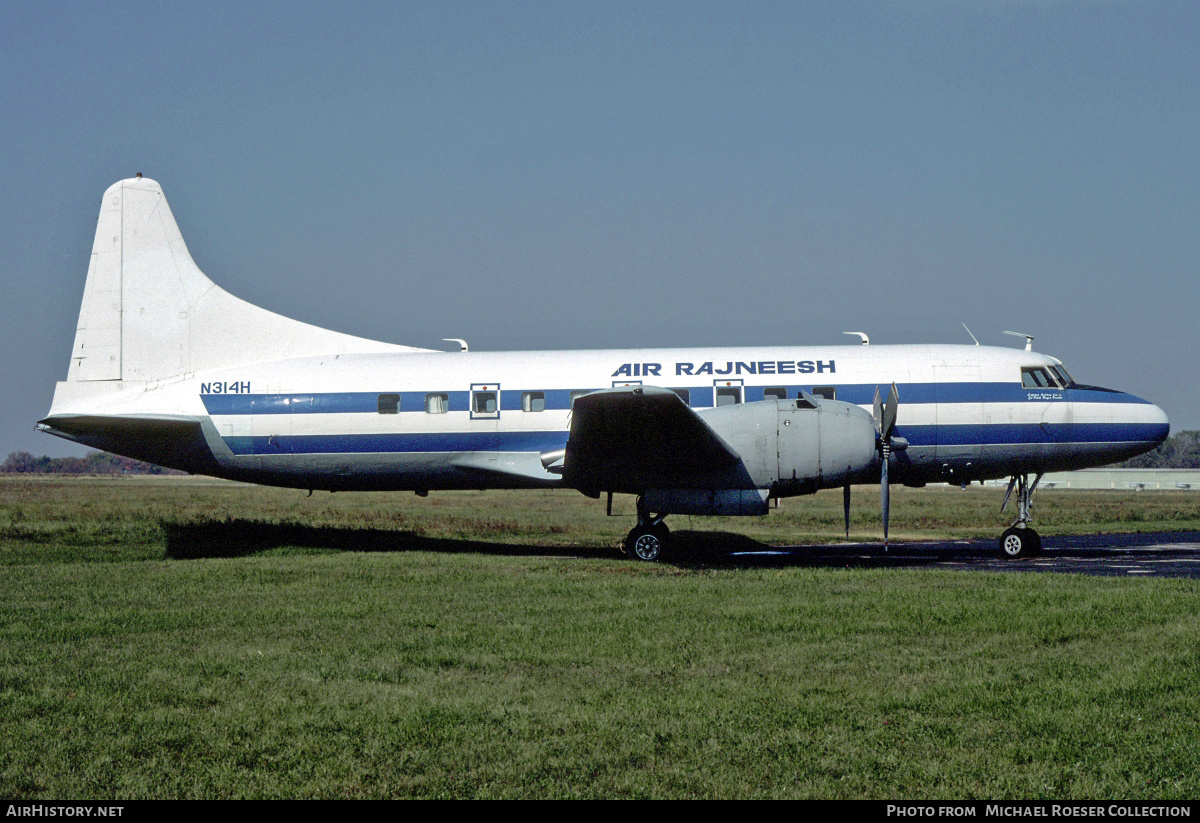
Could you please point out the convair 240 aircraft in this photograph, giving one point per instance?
(169, 368)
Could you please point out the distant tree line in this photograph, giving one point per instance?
(1179, 451)
(95, 462)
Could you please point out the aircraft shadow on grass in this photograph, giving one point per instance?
(694, 549)
(241, 538)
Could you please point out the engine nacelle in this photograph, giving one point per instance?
(719, 461)
(798, 446)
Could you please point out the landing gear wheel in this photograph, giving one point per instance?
(1017, 543)
(647, 543)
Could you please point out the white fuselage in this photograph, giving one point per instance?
(426, 420)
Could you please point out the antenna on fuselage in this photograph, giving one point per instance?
(866, 341)
(969, 332)
(1028, 338)
(462, 344)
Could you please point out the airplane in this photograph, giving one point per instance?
(169, 368)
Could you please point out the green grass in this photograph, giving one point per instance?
(492, 645)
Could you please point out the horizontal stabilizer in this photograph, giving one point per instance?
(174, 441)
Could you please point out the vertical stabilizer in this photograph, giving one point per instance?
(149, 313)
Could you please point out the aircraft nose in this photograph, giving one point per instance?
(1157, 418)
(1151, 421)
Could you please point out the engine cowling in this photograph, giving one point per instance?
(787, 448)
(799, 446)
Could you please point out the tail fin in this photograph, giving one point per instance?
(149, 313)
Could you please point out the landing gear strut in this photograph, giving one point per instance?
(650, 538)
(1019, 540)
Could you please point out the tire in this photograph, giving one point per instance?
(647, 543)
(1017, 544)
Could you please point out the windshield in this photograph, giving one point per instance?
(1063, 376)
(1037, 378)
(1046, 377)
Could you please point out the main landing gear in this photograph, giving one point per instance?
(1020, 541)
(650, 538)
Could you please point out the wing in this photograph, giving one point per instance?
(638, 437)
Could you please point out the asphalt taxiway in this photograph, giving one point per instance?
(1164, 554)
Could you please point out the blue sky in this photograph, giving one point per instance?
(578, 175)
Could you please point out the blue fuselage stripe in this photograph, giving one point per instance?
(440, 442)
(698, 397)
(543, 441)
(1004, 434)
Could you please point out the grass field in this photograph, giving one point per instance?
(181, 638)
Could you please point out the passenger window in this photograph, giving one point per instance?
(578, 393)
(729, 395)
(775, 393)
(533, 401)
(389, 404)
(436, 403)
(826, 392)
(484, 402)
(684, 395)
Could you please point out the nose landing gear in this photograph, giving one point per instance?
(1020, 541)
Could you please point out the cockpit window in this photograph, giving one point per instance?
(1063, 376)
(1037, 379)
(1046, 377)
